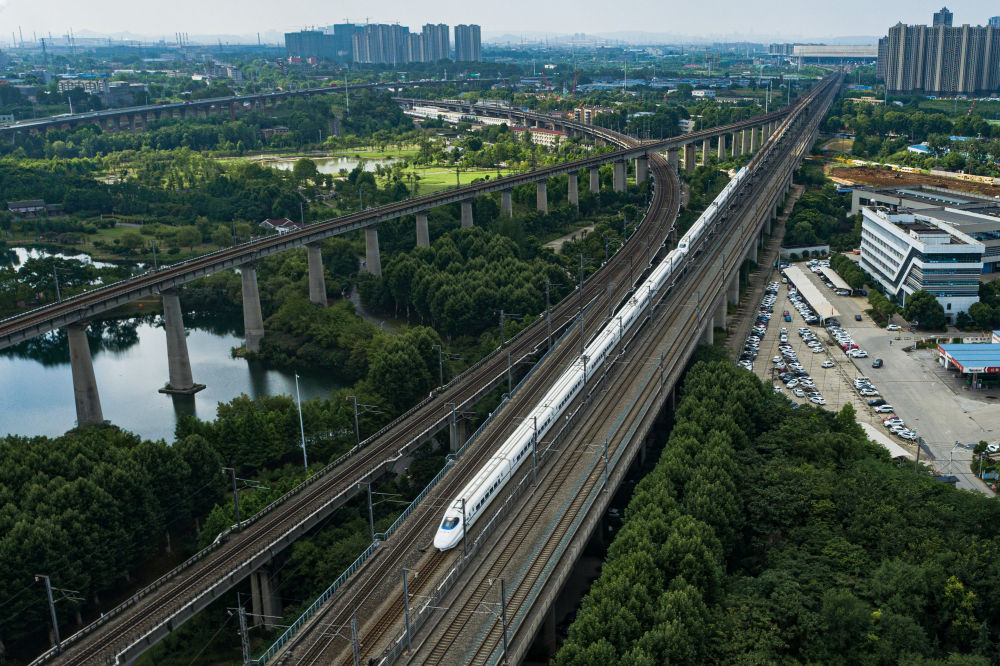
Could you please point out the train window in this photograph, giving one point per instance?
(449, 523)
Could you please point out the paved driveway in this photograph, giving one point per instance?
(925, 396)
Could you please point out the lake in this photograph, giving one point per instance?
(130, 363)
(333, 165)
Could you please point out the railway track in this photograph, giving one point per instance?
(102, 644)
(489, 639)
(131, 626)
(323, 646)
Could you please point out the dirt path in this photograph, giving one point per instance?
(889, 178)
(557, 244)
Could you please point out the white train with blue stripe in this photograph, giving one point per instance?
(473, 499)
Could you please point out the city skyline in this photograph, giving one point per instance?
(773, 20)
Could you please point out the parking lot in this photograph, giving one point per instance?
(949, 419)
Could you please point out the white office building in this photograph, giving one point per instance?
(909, 251)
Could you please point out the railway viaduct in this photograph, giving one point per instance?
(156, 610)
(452, 611)
(73, 313)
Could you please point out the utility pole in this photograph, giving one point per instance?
(465, 550)
(354, 638)
(502, 343)
(244, 638)
(302, 428)
(548, 315)
(357, 431)
(406, 608)
(371, 514)
(440, 366)
(534, 453)
(55, 274)
(52, 610)
(503, 611)
(236, 497)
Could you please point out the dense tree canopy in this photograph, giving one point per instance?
(772, 535)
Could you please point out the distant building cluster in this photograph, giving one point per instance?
(941, 59)
(385, 44)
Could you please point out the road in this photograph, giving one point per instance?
(925, 396)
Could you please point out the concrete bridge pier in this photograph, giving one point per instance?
(706, 150)
(423, 232)
(672, 159)
(88, 401)
(264, 598)
(253, 320)
(178, 361)
(595, 180)
(573, 189)
(766, 132)
(317, 283)
(506, 205)
(458, 432)
(373, 259)
(619, 181)
(720, 318)
(689, 157)
(745, 141)
(753, 139)
(708, 335)
(734, 289)
(467, 214)
(541, 196)
(722, 147)
(737, 147)
(641, 169)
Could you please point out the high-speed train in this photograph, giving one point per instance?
(473, 499)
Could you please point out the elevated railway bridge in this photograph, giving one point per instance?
(130, 629)
(450, 611)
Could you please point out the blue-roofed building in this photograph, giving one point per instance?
(980, 363)
(920, 149)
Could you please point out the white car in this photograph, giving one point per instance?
(828, 364)
(884, 409)
(893, 327)
(818, 401)
(799, 393)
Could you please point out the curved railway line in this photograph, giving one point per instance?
(489, 640)
(198, 582)
(103, 643)
(323, 643)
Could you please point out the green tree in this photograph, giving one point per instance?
(924, 309)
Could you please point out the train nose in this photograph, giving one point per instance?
(447, 539)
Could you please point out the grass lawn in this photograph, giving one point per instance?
(959, 108)
(839, 145)
(436, 178)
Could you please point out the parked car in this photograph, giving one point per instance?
(893, 327)
(876, 402)
(877, 363)
(884, 409)
(828, 364)
(857, 317)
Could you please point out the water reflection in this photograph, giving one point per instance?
(130, 364)
(333, 165)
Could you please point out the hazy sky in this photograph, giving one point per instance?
(760, 19)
